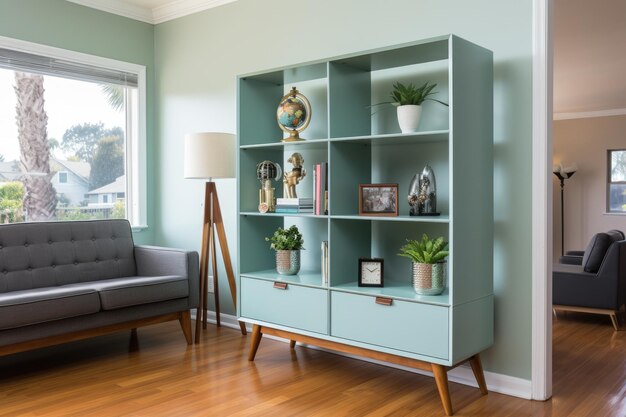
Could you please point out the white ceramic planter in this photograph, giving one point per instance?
(409, 117)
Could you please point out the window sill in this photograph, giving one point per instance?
(613, 213)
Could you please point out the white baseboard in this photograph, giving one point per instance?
(503, 384)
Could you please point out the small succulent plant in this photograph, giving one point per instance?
(425, 251)
(286, 239)
(403, 95)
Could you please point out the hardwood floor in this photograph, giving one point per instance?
(159, 375)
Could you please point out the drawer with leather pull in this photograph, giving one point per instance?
(402, 325)
(286, 304)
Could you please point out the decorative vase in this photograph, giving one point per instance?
(409, 117)
(287, 262)
(428, 279)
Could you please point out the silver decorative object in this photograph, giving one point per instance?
(267, 171)
(423, 194)
(287, 262)
(428, 279)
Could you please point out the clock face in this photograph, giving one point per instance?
(371, 272)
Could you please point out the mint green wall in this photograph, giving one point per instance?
(66, 25)
(199, 56)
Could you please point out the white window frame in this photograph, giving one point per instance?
(609, 181)
(67, 177)
(136, 165)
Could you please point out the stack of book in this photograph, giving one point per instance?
(320, 188)
(294, 205)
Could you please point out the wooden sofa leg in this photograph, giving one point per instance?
(185, 324)
(614, 320)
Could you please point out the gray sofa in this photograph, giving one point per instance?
(63, 281)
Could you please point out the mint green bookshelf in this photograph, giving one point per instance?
(361, 147)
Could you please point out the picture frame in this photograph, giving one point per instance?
(378, 200)
(371, 272)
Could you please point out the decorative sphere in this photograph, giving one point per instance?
(292, 113)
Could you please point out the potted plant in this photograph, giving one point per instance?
(287, 243)
(428, 258)
(409, 99)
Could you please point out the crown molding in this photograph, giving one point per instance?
(119, 8)
(172, 10)
(180, 8)
(589, 114)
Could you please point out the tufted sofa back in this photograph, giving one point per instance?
(48, 254)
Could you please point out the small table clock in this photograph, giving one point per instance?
(371, 272)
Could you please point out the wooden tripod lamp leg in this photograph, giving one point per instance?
(204, 262)
(221, 235)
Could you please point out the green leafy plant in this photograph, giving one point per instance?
(286, 239)
(425, 251)
(403, 95)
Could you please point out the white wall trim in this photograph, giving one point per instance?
(119, 8)
(499, 383)
(589, 114)
(541, 372)
(180, 8)
(169, 11)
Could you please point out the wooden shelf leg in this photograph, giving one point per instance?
(292, 344)
(441, 378)
(256, 340)
(477, 368)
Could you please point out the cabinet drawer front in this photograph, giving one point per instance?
(411, 327)
(294, 306)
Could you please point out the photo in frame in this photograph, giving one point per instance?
(378, 199)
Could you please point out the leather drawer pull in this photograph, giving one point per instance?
(384, 301)
(280, 285)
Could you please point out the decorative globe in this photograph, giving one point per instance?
(293, 114)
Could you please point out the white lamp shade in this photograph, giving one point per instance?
(209, 155)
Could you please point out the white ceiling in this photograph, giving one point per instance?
(589, 57)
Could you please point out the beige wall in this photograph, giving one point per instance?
(585, 142)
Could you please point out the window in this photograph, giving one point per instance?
(94, 129)
(616, 187)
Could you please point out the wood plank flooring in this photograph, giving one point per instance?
(159, 375)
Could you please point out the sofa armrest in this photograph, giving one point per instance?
(572, 286)
(575, 253)
(155, 261)
(571, 260)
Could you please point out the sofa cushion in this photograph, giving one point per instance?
(49, 254)
(23, 308)
(596, 249)
(130, 291)
(615, 235)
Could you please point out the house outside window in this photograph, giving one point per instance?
(616, 184)
(94, 135)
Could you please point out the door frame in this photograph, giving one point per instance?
(541, 372)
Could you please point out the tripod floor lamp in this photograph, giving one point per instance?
(211, 155)
(563, 173)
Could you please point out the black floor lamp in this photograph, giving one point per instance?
(563, 173)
